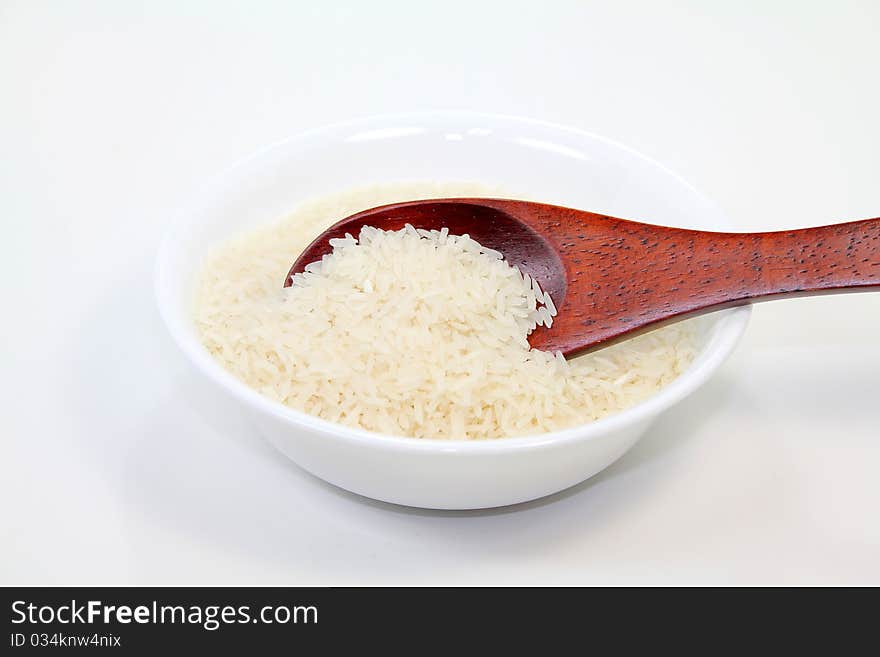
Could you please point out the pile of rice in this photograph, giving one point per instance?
(411, 333)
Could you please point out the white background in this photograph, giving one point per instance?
(114, 471)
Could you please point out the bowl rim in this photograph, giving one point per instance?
(728, 329)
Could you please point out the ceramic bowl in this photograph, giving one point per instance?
(548, 162)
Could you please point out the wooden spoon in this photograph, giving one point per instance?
(611, 278)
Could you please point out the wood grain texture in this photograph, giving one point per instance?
(611, 278)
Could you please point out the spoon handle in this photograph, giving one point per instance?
(837, 258)
(677, 273)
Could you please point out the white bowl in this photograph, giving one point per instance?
(549, 163)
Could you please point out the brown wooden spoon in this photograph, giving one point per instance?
(611, 278)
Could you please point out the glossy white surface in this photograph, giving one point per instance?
(768, 474)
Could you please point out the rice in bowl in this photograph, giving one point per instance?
(410, 333)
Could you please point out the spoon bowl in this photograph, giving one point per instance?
(491, 222)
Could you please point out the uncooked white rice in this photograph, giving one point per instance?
(411, 333)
